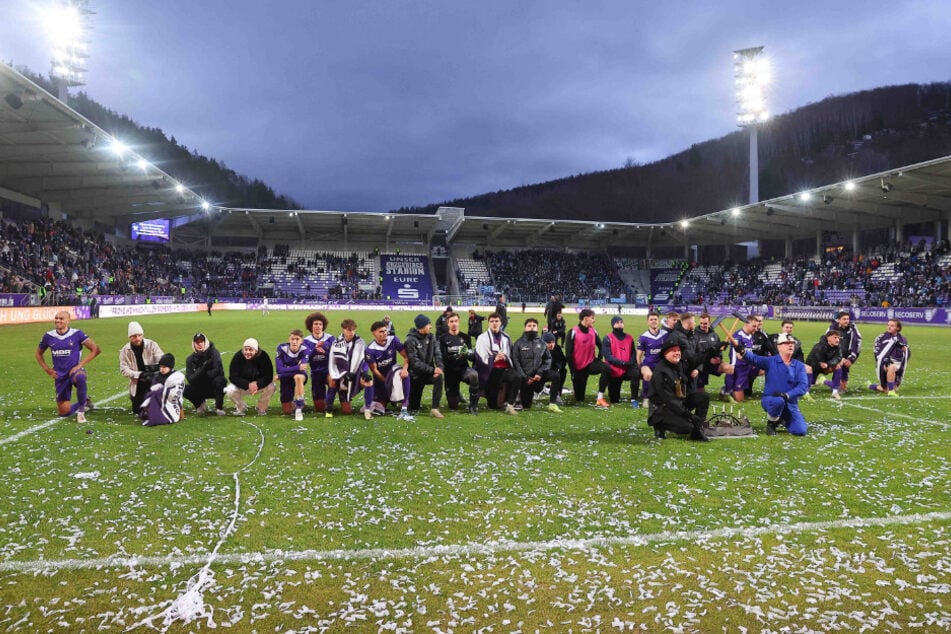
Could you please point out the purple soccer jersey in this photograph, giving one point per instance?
(66, 349)
(384, 356)
(288, 362)
(650, 344)
(319, 353)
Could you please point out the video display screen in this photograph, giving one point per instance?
(151, 230)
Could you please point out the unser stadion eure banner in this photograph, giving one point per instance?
(405, 278)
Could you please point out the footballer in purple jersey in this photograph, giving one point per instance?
(390, 378)
(291, 361)
(319, 342)
(348, 371)
(648, 351)
(744, 371)
(65, 345)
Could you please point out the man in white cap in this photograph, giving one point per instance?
(250, 373)
(786, 382)
(138, 361)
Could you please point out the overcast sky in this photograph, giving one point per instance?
(371, 106)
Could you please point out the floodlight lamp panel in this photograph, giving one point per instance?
(735, 212)
(684, 223)
(805, 196)
(142, 164)
(849, 186)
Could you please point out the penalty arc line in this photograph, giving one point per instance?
(487, 548)
(32, 430)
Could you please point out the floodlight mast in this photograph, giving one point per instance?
(751, 77)
(68, 27)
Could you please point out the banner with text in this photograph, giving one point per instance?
(405, 278)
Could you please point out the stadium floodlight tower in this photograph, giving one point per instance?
(67, 22)
(751, 77)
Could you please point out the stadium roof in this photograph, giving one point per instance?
(51, 154)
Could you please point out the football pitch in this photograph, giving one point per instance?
(579, 521)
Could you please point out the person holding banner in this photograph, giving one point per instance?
(891, 359)
(65, 345)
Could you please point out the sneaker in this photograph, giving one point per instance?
(201, 409)
(510, 410)
(406, 416)
(241, 411)
(646, 403)
(771, 426)
(299, 415)
(473, 409)
(635, 404)
(554, 408)
(328, 414)
(602, 403)
(698, 435)
(435, 413)
(89, 405)
(80, 417)
(893, 394)
(220, 412)
(660, 433)
(368, 413)
(558, 401)
(260, 412)
(518, 407)
(808, 397)
(835, 395)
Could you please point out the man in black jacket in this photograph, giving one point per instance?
(456, 349)
(206, 375)
(532, 359)
(250, 373)
(824, 358)
(425, 365)
(672, 407)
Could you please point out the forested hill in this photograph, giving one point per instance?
(835, 139)
(210, 178)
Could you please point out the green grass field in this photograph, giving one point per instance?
(576, 522)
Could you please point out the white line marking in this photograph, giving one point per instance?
(488, 548)
(882, 397)
(911, 417)
(26, 432)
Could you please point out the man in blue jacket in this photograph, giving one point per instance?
(786, 382)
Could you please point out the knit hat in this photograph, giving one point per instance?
(167, 360)
(251, 342)
(421, 321)
(135, 329)
(548, 338)
(615, 320)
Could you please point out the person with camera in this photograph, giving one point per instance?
(138, 361)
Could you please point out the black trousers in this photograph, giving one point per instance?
(501, 387)
(613, 383)
(661, 418)
(528, 391)
(453, 379)
(579, 378)
(418, 382)
(142, 391)
(197, 392)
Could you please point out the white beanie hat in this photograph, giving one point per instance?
(135, 328)
(250, 342)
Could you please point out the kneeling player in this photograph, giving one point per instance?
(891, 359)
(291, 360)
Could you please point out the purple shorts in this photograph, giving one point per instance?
(318, 389)
(64, 388)
(287, 388)
(743, 376)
